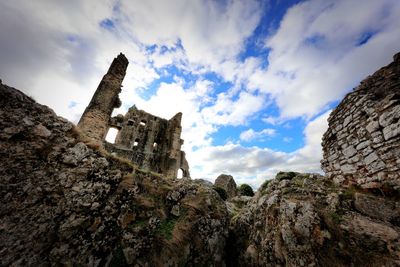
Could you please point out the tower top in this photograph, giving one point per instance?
(119, 65)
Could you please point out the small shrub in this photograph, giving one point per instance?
(265, 185)
(166, 228)
(285, 176)
(221, 192)
(246, 190)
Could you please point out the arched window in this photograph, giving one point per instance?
(180, 174)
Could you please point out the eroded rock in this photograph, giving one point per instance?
(227, 183)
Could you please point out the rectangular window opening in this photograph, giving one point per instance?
(112, 135)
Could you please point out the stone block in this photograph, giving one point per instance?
(349, 151)
(372, 126)
(391, 131)
(371, 158)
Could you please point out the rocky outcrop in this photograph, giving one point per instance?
(307, 220)
(351, 217)
(66, 201)
(362, 144)
(227, 183)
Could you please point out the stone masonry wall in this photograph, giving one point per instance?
(95, 119)
(151, 142)
(362, 144)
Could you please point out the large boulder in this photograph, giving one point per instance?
(227, 183)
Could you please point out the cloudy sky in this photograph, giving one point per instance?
(255, 80)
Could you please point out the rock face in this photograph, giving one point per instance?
(227, 183)
(65, 201)
(362, 144)
(150, 142)
(307, 220)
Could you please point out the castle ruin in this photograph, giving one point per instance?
(150, 142)
(362, 144)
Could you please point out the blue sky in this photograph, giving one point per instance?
(255, 80)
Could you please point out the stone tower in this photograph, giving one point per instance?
(95, 120)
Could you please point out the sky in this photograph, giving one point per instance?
(255, 80)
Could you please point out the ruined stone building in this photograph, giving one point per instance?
(151, 142)
(362, 144)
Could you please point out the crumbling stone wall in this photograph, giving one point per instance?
(362, 144)
(151, 142)
(94, 121)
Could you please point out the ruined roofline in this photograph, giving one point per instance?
(177, 116)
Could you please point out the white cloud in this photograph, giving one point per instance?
(253, 165)
(228, 111)
(209, 31)
(287, 139)
(315, 58)
(250, 134)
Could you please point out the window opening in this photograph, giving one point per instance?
(180, 174)
(136, 143)
(112, 135)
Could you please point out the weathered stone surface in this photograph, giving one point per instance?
(228, 184)
(310, 221)
(362, 143)
(150, 142)
(95, 119)
(66, 203)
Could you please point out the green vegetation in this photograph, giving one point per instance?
(246, 190)
(265, 185)
(138, 224)
(349, 193)
(221, 192)
(167, 227)
(336, 217)
(285, 176)
(298, 181)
